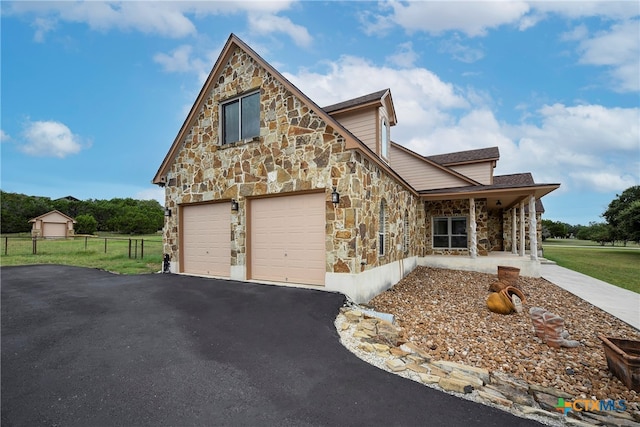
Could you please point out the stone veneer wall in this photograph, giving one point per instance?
(495, 230)
(296, 151)
(448, 208)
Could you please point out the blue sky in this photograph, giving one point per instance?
(93, 93)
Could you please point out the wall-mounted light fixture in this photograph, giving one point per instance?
(335, 197)
(167, 212)
(498, 203)
(234, 205)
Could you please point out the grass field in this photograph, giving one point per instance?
(617, 265)
(111, 254)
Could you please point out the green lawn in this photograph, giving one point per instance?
(87, 252)
(616, 265)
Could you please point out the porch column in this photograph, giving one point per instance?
(473, 250)
(522, 239)
(514, 230)
(533, 229)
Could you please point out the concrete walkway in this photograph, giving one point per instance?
(623, 304)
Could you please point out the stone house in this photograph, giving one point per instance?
(263, 184)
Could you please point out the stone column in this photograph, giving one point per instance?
(473, 250)
(522, 238)
(533, 237)
(514, 230)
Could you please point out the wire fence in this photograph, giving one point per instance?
(134, 248)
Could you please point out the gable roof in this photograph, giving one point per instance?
(55, 211)
(469, 156)
(351, 142)
(381, 97)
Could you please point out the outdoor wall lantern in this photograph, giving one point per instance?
(335, 197)
(234, 205)
(167, 212)
(498, 203)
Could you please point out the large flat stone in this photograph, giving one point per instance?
(453, 384)
(449, 366)
(396, 365)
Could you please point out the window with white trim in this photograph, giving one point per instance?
(405, 240)
(241, 118)
(384, 139)
(450, 232)
(382, 229)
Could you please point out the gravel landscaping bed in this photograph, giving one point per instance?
(444, 312)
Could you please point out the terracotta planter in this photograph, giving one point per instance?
(508, 275)
(500, 302)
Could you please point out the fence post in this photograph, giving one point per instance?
(135, 253)
(34, 248)
(85, 242)
(6, 245)
(141, 248)
(129, 248)
(105, 245)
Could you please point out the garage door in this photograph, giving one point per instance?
(288, 239)
(206, 239)
(54, 229)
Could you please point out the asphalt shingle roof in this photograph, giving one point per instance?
(466, 156)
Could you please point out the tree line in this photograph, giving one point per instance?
(127, 216)
(622, 222)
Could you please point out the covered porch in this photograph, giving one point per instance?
(528, 266)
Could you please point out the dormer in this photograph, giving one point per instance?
(369, 118)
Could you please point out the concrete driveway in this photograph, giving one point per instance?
(83, 347)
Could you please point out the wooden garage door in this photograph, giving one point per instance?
(206, 239)
(54, 229)
(288, 239)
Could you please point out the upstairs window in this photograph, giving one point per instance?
(241, 118)
(384, 139)
(450, 233)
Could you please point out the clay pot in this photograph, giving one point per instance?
(500, 302)
(508, 275)
(497, 286)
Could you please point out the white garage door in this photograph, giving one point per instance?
(288, 239)
(54, 229)
(206, 239)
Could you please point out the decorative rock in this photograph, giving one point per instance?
(415, 359)
(452, 384)
(429, 379)
(397, 352)
(474, 381)
(434, 370)
(361, 334)
(414, 349)
(448, 366)
(396, 365)
(353, 315)
(550, 390)
(417, 368)
(577, 423)
(516, 395)
(381, 347)
(500, 378)
(491, 398)
(530, 410)
(368, 347)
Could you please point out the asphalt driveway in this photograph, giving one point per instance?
(83, 347)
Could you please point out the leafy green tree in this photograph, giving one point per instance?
(86, 224)
(620, 214)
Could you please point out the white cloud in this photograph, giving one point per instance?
(267, 23)
(165, 18)
(619, 49)
(438, 17)
(50, 139)
(404, 56)
(460, 51)
(4, 136)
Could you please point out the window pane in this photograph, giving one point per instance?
(440, 226)
(381, 244)
(440, 242)
(458, 226)
(251, 116)
(458, 241)
(231, 118)
(384, 139)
